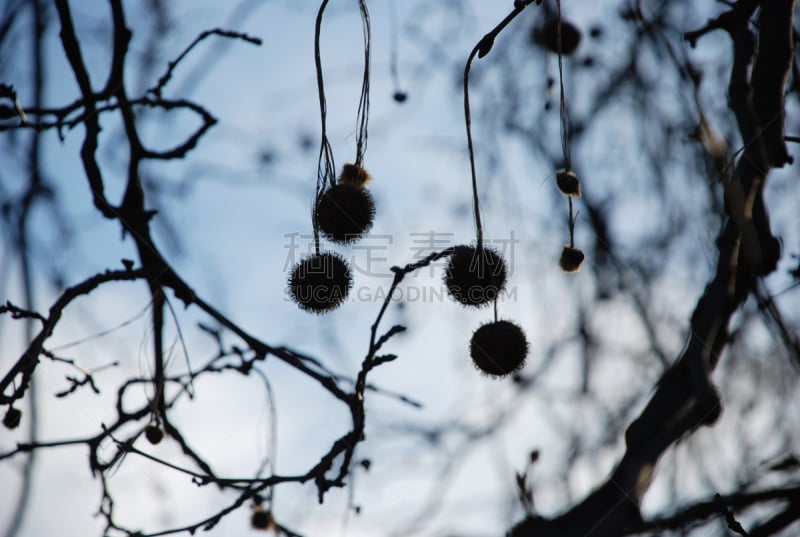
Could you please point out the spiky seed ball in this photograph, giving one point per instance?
(498, 348)
(154, 434)
(547, 36)
(261, 519)
(571, 259)
(344, 213)
(568, 183)
(354, 175)
(320, 283)
(12, 418)
(400, 96)
(474, 277)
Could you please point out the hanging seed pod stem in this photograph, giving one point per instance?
(344, 210)
(476, 275)
(481, 49)
(326, 169)
(563, 98)
(571, 224)
(363, 104)
(399, 95)
(571, 257)
(470, 146)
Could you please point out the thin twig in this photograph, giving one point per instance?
(165, 78)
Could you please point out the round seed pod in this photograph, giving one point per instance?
(498, 348)
(154, 434)
(261, 519)
(354, 175)
(320, 283)
(12, 418)
(474, 277)
(546, 36)
(571, 259)
(344, 213)
(568, 183)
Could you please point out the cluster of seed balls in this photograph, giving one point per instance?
(343, 214)
(474, 277)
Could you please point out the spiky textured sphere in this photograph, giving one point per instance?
(568, 183)
(547, 36)
(474, 277)
(499, 348)
(344, 213)
(571, 259)
(321, 282)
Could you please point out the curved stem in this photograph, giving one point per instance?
(471, 149)
(481, 49)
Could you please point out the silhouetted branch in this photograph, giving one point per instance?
(165, 78)
(710, 508)
(20, 374)
(685, 398)
(72, 49)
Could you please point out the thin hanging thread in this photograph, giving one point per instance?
(363, 104)
(326, 169)
(564, 119)
(571, 224)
